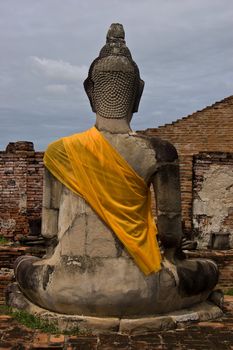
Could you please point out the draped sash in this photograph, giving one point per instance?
(88, 165)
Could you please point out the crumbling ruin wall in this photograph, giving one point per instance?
(213, 197)
(208, 130)
(21, 178)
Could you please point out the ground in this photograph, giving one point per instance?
(214, 335)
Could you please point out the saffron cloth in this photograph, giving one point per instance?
(88, 165)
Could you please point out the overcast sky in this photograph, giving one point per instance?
(184, 49)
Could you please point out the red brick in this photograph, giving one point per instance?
(17, 180)
(57, 338)
(41, 338)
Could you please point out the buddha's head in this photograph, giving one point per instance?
(113, 85)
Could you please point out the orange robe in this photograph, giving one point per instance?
(89, 166)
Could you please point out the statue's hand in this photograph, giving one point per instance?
(187, 244)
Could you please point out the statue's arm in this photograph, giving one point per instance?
(50, 206)
(166, 183)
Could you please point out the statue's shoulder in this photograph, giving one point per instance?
(54, 145)
(165, 150)
(57, 146)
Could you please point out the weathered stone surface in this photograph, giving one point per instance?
(200, 312)
(100, 241)
(207, 311)
(167, 201)
(186, 316)
(71, 206)
(50, 222)
(47, 181)
(94, 324)
(132, 326)
(146, 325)
(73, 242)
(89, 324)
(137, 151)
(56, 190)
(212, 205)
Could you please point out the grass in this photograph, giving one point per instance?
(229, 291)
(4, 310)
(29, 320)
(35, 322)
(3, 240)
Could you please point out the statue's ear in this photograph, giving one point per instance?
(89, 88)
(138, 96)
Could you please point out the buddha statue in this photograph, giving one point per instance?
(103, 258)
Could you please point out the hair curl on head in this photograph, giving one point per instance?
(113, 84)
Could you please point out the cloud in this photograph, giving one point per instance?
(183, 50)
(56, 88)
(59, 70)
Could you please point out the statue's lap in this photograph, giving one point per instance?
(91, 273)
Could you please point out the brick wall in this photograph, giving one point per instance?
(21, 177)
(208, 130)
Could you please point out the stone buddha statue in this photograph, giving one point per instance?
(103, 258)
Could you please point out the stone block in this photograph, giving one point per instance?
(51, 191)
(46, 189)
(69, 209)
(146, 325)
(97, 324)
(207, 311)
(56, 190)
(169, 227)
(100, 240)
(49, 223)
(186, 316)
(166, 184)
(74, 240)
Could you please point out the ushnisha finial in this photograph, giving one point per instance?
(115, 42)
(116, 33)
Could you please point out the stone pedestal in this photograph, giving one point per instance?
(200, 312)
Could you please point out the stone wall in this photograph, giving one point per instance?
(213, 198)
(208, 130)
(21, 178)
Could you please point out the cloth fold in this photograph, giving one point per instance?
(89, 166)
